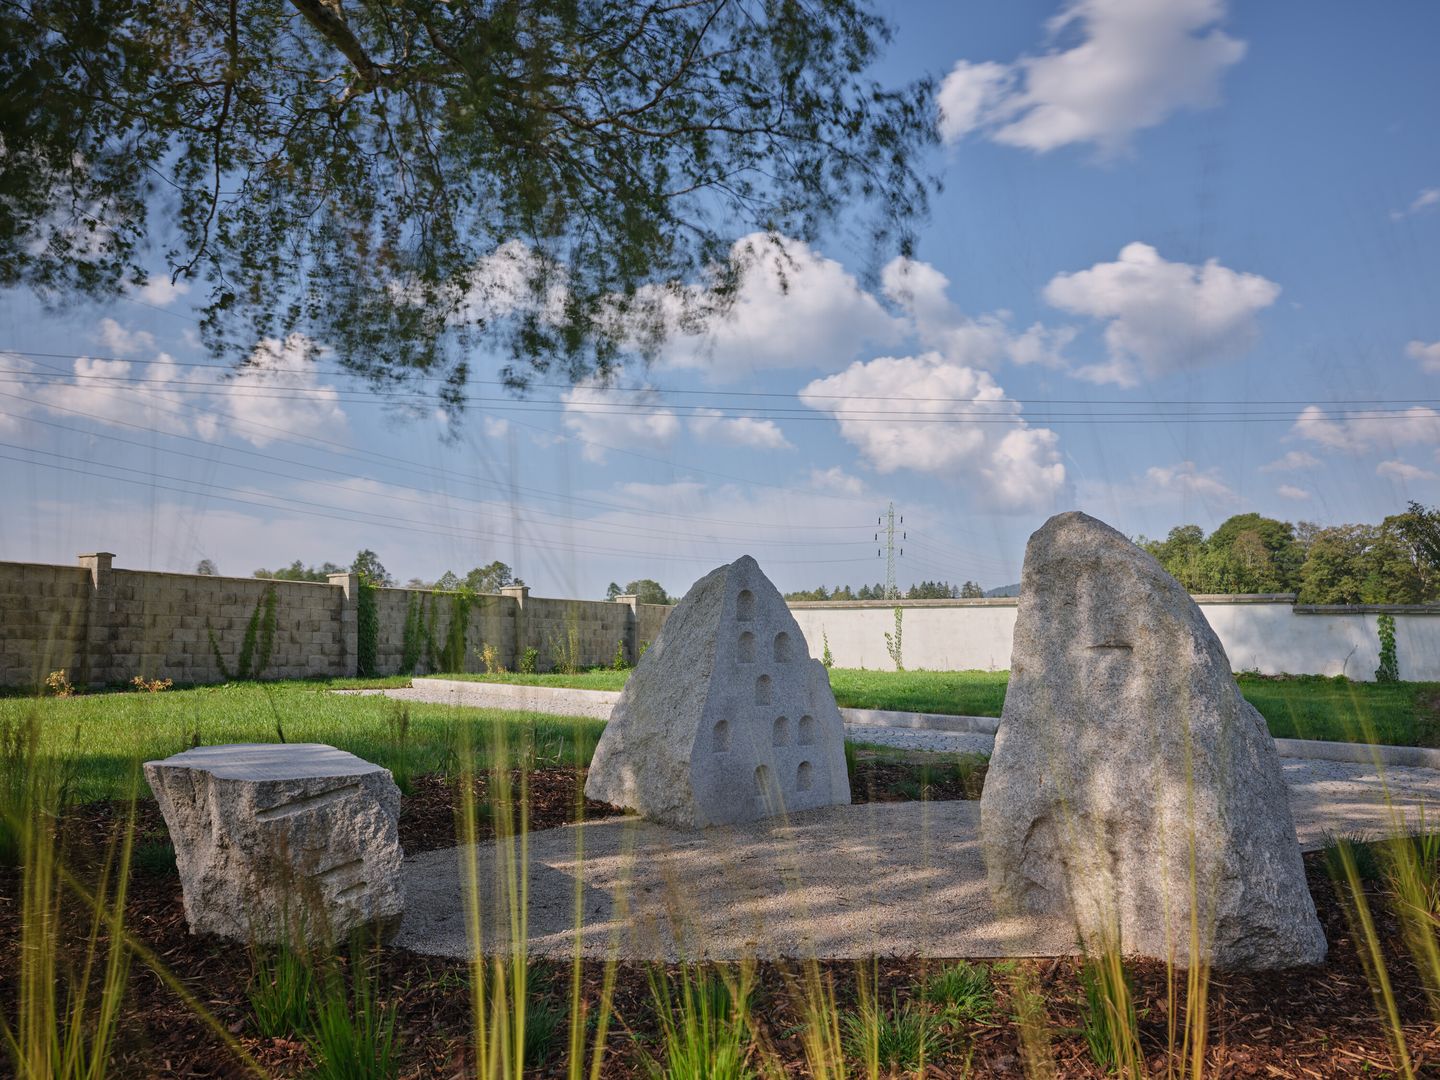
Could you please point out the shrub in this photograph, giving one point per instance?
(620, 663)
(529, 660)
(151, 686)
(825, 657)
(57, 684)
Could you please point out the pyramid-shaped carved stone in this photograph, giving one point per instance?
(1131, 785)
(727, 718)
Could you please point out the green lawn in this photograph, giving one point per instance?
(103, 736)
(1304, 707)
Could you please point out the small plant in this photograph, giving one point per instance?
(825, 657)
(961, 991)
(900, 1039)
(1352, 856)
(57, 684)
(641, 654)
(353, 1035)
(852, 760)
(704, 1030)
(151, 686)
(281, 992)
(543, 1020)
(490, 658)
(565, 651)
(1389, 669)
(1107, 1015)
(398, 722)
(529, 660)
(893, 641)
(620, 663)
(155, 857)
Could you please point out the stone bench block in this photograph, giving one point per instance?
(279, 841)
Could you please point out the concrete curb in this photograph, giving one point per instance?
(597, 704)
(917, 721)
(563, 701)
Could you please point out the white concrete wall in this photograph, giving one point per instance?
(1269, 636)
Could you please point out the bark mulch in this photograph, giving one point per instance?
(1319, 1022)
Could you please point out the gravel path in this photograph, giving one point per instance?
(845, 881)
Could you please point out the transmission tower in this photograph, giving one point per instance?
(892, 591)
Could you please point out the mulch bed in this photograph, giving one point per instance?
(1318, 1022)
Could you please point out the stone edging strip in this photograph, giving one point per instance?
(597, 704)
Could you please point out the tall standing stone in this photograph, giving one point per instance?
(727, 717)
(1131, 785)
(282, 841)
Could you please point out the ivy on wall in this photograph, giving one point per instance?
(413, 641)
(367, 629)
(258, 646)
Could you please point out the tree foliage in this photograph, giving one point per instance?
(399, 179)
(1395, 562)
(647, 591)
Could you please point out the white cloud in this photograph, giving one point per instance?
(1376, 429)
(837, 480)
(1163, 316)
(273, 395)
(922, 292)
(1135, 62)
(1291, 461)
(1428, 355)
(277, 394)
(111, 392)
(712, 425)
(1013, 466)
(119, 341)
(159, 290)
(1403, 471)
(795, 309)
(1186, 478)
(1290, 491)
(1427, 198)
(600, 419)
(496, 427)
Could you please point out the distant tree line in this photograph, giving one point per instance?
(482, 579)
(924, 590)
(1395, 562)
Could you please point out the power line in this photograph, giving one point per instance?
(1188, 402)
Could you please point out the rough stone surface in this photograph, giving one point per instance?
(727, 718)
(277, 841)
(1131, 785)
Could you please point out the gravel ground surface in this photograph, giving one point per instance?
(884, 878)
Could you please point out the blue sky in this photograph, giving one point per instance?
(1181, 246)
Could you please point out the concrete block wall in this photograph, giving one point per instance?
(44, 621)
(595, 627)
(103, 625)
